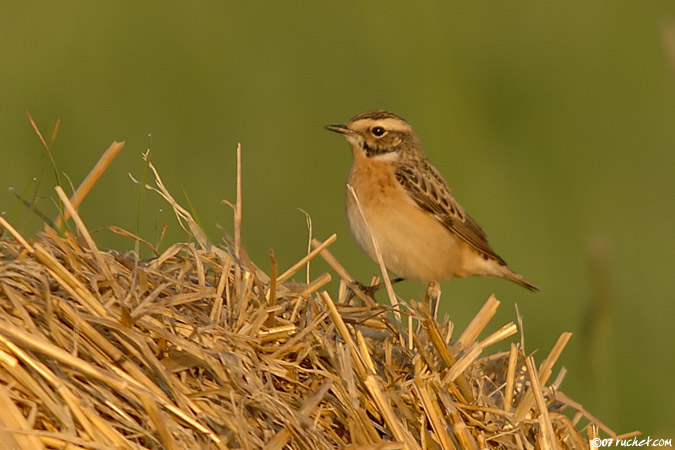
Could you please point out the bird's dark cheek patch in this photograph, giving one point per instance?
(369, 150)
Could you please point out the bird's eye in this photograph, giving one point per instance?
(378, 131)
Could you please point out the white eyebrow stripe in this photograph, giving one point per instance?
(388, 124)
(393, 124)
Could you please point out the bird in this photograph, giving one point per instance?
(396, 197)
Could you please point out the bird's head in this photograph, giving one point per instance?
(379, 135)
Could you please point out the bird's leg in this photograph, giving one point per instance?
(432, 296)
(371, 290)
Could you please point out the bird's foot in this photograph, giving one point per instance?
(432, 297)
(372, 289)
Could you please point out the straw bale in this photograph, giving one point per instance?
(99, 350)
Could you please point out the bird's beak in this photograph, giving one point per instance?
(342, 129)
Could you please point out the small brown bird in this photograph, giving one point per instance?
(422, 232)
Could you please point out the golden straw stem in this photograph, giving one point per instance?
(510, 377)
(478, 323)
(298, 265)
(237, 208)
(92, 177)
(16, 234)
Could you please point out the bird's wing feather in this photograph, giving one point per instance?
(428, 190)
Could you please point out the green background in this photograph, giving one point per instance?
(553, 123)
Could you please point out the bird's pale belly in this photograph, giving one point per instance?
(413, 244)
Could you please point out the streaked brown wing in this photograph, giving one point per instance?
(428, 189)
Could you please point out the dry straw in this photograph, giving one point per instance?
(198, 348)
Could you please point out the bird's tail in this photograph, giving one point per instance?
(519, 280)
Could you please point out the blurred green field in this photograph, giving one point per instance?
(553, 123)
